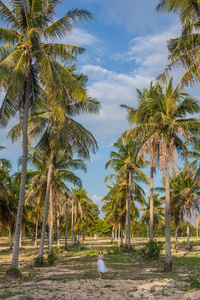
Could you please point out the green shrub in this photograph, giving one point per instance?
(152, 250)
(51, 259)
(57, 250)
(39, 262)
(115, 243)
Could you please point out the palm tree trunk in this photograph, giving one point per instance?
(50, 222)
(127, 200)
(112, 235)
(84, 234)
(168, 259)
(176, 236)
(41, 250)
(75, 239)
(188, 231)
(78, 238)
(23, 234)
(119, 234)
(129, 210)
(72, 223)
(11, 238)
(20, 238)
(66, 224)
(58, 226)
(133, 196)
(151, 194)
(197, 225)
(15, 257)
(36, 231)
(122, 236)
(115, 233)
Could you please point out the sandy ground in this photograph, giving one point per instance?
(98, 289)
(66, 280)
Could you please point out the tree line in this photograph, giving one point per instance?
(44, 92)
(165, 127)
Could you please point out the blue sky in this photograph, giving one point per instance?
(125, 50)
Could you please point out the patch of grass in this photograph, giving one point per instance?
(134, 289)
(152, 289)
(27, 297)
(194, 283)
(9, 294)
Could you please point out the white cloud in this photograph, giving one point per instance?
(81, 37)
(97, 199)
(111, 89)
(148, 56)
(96, 157)
(149, 52)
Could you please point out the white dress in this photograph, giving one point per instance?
(101, 266)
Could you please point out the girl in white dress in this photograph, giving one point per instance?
(100, 263)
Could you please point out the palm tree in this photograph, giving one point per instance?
(158, 211)
(115, 208)
(186, 192)
(7, 198)
(124, 163)
(142, 116)
(60, 132)
(26, 61)
(34, 198)
(84, 211)
(168, 126)
(61, 171)
(184, 50)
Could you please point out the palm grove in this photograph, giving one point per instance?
(163, 127)
(44, 93)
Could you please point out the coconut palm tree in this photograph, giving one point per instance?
(184, 50)
(124, 163)
(8, 201)
(139, 116)
(168, 126)
(158, 211)
(28, 61)
(61, 171)
(60, 132)
(84, 212)
(115, 208)
(185, 194)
